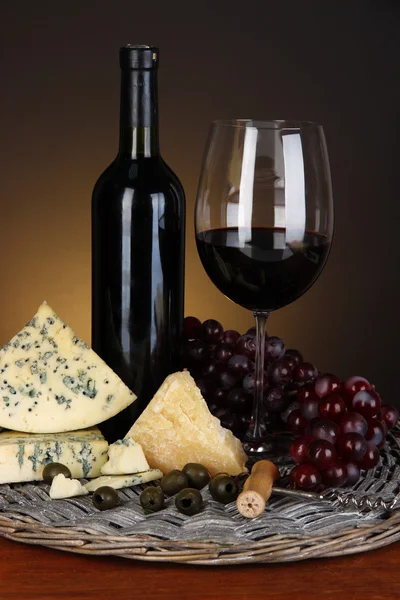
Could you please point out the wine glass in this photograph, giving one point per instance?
(264, 225)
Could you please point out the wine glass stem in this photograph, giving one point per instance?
(258, 429)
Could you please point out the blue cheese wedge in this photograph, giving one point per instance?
(62, 487)
(120, 481)
(125, 457)
(23, 456)
(51, 381)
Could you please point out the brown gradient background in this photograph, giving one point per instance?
(335, 62)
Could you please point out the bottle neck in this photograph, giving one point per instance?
(138, 114)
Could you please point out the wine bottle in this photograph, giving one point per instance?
(138, 237)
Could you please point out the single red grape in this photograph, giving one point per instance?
(290, 361)
(252, 331)
(296, 422)
(299, 448)
(332, 407)
(196, 351)
(210, 370)
(353, 473)
(370, 458)
(309, 408)
(246, 345)
(376, 432)
(227, 380)
(305, 477)
(305, 392)
(219, 397)
(239, 401)
(327, 384)
(191, 328)
(222, 353)
(390, 415)
(335, 475)
(305, 372)
(230, 336)
(322, 453)
(353, 422)
(240, 365)
(324, 429)
(274, 348)
(295, 354)
(352, 446)
(367, 403)
(275, 400)
(281, 371)
(355, 384)
(212, 331)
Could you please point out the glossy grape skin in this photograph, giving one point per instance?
(296, 422)
(240, 365)
(290, 408)
(353, 473)
(355, 384)
(246, 345)
(309, 408)
(196, 351)
(324, 429)
(304, 372)
(305, 477)
(305, 392)
(390, 415)
(219, 397)
(239, 401)
(274, 348)
(322, 454)
(222, 353)
(352, 447)
(252, 331)
(335, 475)
(327, 384)
(192, 328)
(367, 403)
(370, 458)
(295, 354)
(332, 407)
(230, 337)
(275, 400)
(376, 432)
(212, 331)
(353, 422)
(281, 371)
(299, 448)
(210, 370)
(227, 380)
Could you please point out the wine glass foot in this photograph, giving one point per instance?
(273, 447)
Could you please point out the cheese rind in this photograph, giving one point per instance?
(177, 428)
(125, 457)
(51, 381)
(63, 487)
(23, 456)
(120, 481)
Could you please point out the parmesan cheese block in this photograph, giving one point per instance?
(23, 456)
(51, 381)
(176, 428)
(62, 487)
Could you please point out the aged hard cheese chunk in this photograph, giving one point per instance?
(23, 456)
(177, 428)
(120, 481)
(125, 457)
(51, 381)
(62, 487)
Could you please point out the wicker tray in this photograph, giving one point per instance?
(356, 520)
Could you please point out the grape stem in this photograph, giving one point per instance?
(257, 428)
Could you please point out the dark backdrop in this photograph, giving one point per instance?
(336, 62)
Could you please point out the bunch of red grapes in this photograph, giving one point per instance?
(340, 426)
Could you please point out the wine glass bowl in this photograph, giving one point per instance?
(264, 222)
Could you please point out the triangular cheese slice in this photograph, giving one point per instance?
(51, 381)
(177, 428)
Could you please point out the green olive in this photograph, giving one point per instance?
(189, 501)
(198, 476)
(173, 482)
(152, 498)
(223, 488)
(53, 469)
(105, 497)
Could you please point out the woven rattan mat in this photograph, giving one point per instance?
(289, 530)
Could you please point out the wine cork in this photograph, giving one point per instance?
(257, 489)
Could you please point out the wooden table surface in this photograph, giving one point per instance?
(34, 572)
